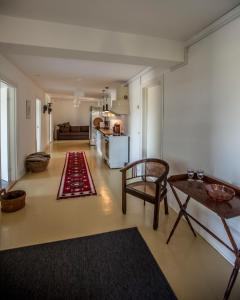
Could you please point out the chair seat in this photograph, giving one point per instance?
(146, 179)
(145, 188)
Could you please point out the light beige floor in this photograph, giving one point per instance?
(193, 268)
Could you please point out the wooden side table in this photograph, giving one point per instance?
(226, 210)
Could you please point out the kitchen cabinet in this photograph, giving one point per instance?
(113, 149)
(98, 142)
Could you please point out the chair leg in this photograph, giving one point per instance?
(156, 215)
(166, 205)
(124, 202)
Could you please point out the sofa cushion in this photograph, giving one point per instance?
(75, 128)
(74, 133)
(64, 124)
(65, 133)
(66, 129)
(84, 128)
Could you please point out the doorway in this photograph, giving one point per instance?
(38, 124)
(7, 134)
(152, 121)
(50, 126)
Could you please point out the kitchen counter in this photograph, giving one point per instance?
(106, 131)
(109, 132)
(113, 148)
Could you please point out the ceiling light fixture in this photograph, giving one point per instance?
(103, 100)
(76, 103)
(106, 99)
(77, 98)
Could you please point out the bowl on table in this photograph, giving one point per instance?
(219, 192)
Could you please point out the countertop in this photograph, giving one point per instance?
(108, 132)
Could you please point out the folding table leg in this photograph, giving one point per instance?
(175, 226)
(181, 213)
(236, 268)
(190, 224)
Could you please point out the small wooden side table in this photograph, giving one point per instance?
(226, 210)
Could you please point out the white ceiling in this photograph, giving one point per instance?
(172, 19)
(65, 76)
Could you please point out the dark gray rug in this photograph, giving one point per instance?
(114, 265)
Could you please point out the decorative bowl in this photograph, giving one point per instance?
(220, 192)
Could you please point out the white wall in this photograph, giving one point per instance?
(201, 118)
(122, 120)
(202, 110)
(48, 121)
(135, 117)
(25, 90)
(153, 121)
(64, 111)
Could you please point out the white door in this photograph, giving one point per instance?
(50, 126)
(4, 133)
(38, 124)
(135, 130)
(152, 122)
(7, 132)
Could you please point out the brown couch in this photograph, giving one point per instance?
(68, 132)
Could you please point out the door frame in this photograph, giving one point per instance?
(145, 86)
(38, 105)
(144, 121)
(50, 128)
(12, 131)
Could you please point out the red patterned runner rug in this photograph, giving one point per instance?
(76, 177)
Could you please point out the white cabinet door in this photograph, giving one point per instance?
(118, 151)
(103, 146)
(98, 142)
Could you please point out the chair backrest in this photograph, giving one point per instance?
(155, 168)
(148, 169)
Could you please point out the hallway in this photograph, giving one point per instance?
(193, 268)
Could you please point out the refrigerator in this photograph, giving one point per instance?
(95, 112)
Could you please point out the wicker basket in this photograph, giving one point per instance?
(42, 154)
(37, 166)
(12, 201)
(37, 162)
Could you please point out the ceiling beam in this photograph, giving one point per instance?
(87, 43)
(55, 96)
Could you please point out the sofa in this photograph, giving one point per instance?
(67, 132)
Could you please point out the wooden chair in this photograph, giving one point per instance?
(146, 179)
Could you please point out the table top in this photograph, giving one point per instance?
(197, 191)
(109, 132)
(106, 131)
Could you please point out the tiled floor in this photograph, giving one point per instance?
(193, 268)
